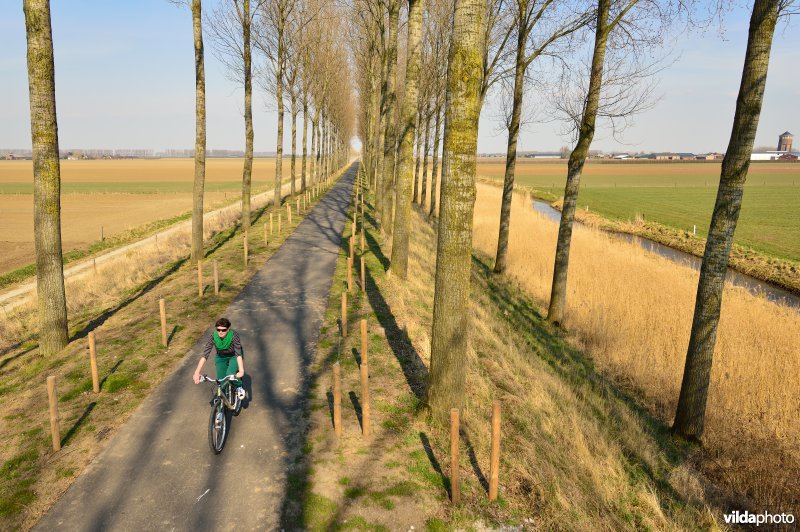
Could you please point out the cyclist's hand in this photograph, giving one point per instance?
(240, 374)
(196, 378)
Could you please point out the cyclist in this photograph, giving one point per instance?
(229, 355)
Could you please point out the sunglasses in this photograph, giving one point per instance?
(221, 329)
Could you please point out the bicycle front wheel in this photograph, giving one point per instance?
(217, 427)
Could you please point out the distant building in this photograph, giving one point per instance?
(783, 153)
(709, 157)
(684, 156)
(785, 141)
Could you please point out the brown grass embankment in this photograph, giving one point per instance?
(575, 453)
(632, 312)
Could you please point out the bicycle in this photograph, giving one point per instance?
(224, 399)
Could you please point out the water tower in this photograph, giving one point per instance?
(785, 141)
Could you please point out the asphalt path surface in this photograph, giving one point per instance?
(158, 473)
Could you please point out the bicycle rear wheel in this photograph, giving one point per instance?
(217, 427)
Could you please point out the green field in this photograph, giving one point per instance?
(681, 195)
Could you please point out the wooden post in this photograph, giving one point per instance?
(51, 396)
(344, 314)
(270, 222)
(216, 279)
(102, 238)
(350, 274)
(362, 238)
(494, 462)
(93, 363)
(199, 278)
(337, 401)
(351, 245)
(363, 276)
(455, 486)
(364, 397)
(364, 355)
(298, 205)
(266, 242)
(163, 311)
(288, 213)
(279, 221)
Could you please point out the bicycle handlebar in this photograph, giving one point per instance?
(206, 378)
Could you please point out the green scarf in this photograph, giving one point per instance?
(223, 343)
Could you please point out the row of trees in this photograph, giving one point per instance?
(452, 55)
(299, 59)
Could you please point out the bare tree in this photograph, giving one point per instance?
(440, 16)
(615, 78)
(230, 26)
(200, 127)
(554, 21)
(389, 140)
(52, 301)
(690, 414)
(405, 160)
(450, 331)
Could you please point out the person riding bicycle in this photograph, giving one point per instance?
(229, 359)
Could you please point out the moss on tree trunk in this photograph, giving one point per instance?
(52, 302)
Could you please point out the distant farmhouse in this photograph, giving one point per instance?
(783, 153)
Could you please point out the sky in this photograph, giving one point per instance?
(125, 79)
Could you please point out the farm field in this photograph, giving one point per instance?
(115, 194)
(679, 195)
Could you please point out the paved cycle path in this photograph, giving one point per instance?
(158, 473)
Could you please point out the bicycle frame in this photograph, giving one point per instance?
(219, 392)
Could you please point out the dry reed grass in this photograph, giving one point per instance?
(632, 311)
(573, 455)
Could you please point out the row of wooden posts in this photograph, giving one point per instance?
(52, 395)
(455, 425)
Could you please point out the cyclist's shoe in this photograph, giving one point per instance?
(241, 393)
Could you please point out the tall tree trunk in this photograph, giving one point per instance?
(305, 143)
(435, 170)
(450, 332)
(389, 138)
(247, 173)
(294, 145)
(558, 293)
(276, 195)
(511, 153)
(402, 214)
(417, 148)
(690, 414)
(426, 146)
(380, 138)
(200, 133)
(326, 143)
(52, 301)
(374, 117)
(314, 145)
